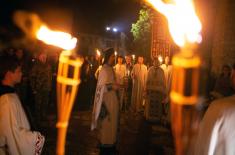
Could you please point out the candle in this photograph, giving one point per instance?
(115, 53)
(133, 58)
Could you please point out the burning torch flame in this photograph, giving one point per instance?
(184, 24)
(56, 38)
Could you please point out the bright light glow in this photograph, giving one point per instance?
(160, 59)
(183, 22)
(133, 56)
(115, 53)
(56, 38)
(98, 52)
(115, 29)
(108, 28)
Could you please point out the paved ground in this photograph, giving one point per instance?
(137, 136)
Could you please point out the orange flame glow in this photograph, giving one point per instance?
(184, 24)
(56, 38)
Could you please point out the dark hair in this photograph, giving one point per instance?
(8, 63)
(225, 67)
(107, 54)
(120, 56)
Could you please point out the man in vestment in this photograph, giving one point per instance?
(217, 130)
(16, 138)
(120, 72)
(155, 92)
(139, 77)
(106, 106)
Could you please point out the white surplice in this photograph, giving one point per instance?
(139, 76)
(120, 72)
(105, 95)
(217, 130)
(15, 135)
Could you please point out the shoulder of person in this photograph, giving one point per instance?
(223, 103)
(8, 99)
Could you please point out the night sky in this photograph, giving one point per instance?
(89, 16)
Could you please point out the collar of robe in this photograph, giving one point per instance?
(6, 89)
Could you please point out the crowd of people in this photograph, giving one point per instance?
(106, 88)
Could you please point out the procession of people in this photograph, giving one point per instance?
(107, 89)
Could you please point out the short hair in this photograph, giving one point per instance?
(8, 63)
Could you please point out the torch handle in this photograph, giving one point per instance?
(61, 136)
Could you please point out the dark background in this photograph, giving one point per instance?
(77, 16)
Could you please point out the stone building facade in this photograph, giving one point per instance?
(223, 49)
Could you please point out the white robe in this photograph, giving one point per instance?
(109, 125)
(120, 72)
(15, 135)
(139, 76)
(217, 130)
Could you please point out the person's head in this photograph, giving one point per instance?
(167, 60)
(42, 57)
(120, 60)
(226, 71)
(10, 70)
(128, 59)
(156, 62)
(109, 57)
(140, 60)
(19, 53)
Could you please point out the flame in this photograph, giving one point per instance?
(56, 38)
(184, 25)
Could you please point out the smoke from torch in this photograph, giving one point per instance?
(28, 22)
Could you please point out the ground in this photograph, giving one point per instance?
(136, 136)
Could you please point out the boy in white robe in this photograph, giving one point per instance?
(16, 138)
(139, 77)
(120, 72)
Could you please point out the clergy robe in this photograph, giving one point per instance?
(139, 76)
(108, 97)
(156, 93)
(217, 130)
(120, 73)
(168, 79)
(15, 135)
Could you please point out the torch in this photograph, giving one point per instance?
(185, 28)
(67, 79)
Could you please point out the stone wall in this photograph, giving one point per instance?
(223, 49)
